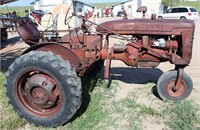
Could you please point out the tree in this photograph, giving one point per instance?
(170, 2)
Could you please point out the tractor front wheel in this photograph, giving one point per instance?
(166, 86)
(43, 88)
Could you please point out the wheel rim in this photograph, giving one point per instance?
(175, 93)
(183, 18)
(38, 94)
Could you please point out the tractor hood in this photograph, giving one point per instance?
(146, 26)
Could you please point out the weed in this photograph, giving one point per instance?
(129, 103)
(182, 116)
(102, 83)
(147, 110)
(130, 114)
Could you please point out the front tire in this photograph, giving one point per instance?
(43, 88)
(167, 81)
(160, 17)
(183, 17)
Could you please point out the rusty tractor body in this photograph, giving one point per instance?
(45, 80)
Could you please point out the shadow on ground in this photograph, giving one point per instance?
(88, 80)
(155, 92)
(10, 42)
(8, 58)
(136, 75)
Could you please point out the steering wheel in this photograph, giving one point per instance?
(68, 19)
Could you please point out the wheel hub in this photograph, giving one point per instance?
(40, 96)
(40, 90)
(174, 91)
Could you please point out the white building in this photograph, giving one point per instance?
(153, 6)
(47, 5)
(54, 19)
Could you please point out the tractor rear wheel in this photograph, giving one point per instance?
(166, 84)
(43, 88)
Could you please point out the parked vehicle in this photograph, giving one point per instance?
(119, 14)
(44, 84)
(35, 15)
(179, 13)
(6, 25)
(3, 31)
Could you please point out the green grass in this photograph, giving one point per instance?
(195, 4)
(148, 110)
(92, 117)
(8, 118)
(104, 111)
(19, 9)
(129, 112)
(183, 116)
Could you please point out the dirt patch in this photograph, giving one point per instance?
(10, 50)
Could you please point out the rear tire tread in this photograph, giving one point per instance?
(47, 58)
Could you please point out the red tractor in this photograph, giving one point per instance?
(44, 84)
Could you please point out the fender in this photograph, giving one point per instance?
(57, 49)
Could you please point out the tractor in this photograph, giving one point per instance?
(44, 84)
(6, 25)
(3, 31)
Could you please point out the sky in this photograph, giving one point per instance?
(27, 2)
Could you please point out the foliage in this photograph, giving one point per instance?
(104, 5)
(20, 10)
(171, 3)
(195, 4)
